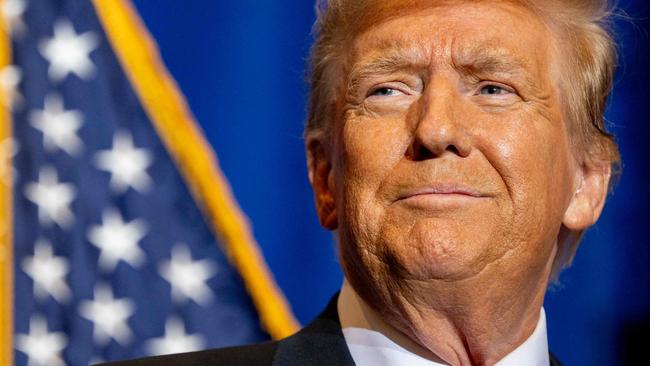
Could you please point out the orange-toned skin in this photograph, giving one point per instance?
(450, 174)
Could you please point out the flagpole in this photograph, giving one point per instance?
(6, 224)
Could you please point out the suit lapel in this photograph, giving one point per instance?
(319, 343)
(554, 360)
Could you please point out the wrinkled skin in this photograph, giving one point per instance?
(450, 174)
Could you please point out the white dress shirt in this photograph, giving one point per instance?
(371, 347)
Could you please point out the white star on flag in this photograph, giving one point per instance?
(118, 240)
(175, 340)
(10, 77)
(51, 197)
(41, 347)
(12, 12)
(109, 316)
(48, 272)
(69, 52)
(59, 126)
(126, 164)
(8, 149)
(96, 360)
(188, 277)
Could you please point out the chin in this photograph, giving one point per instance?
(436, 262)
(436, 250)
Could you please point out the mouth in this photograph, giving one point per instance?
(441, 196)
(443, 190)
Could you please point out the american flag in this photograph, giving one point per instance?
(116, 253)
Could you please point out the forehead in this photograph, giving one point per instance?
(458, 31)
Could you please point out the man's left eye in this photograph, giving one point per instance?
(494, 90)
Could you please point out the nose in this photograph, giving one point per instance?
(438, 129)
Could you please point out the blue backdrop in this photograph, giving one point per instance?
(240, 64)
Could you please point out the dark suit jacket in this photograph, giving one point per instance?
(321, 343)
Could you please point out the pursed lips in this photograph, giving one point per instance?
(440, 194)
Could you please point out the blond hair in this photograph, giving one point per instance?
(582, 28)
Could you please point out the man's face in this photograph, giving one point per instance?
(451, 153)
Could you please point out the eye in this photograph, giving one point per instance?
(494, 90)
(385, 92)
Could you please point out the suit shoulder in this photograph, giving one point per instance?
(254, 355)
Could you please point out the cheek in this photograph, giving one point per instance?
(366, 140)
(370, 150)
(532, 157)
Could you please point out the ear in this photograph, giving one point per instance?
(321, 178)
(588, 200)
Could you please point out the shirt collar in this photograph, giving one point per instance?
(369, 343)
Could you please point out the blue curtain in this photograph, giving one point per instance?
(241, 66)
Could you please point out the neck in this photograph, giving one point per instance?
(355, 313)
(447, 322)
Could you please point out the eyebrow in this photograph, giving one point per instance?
(388, 59)
(489, 60)
(393, 57)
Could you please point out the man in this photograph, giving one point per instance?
(458, 150)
